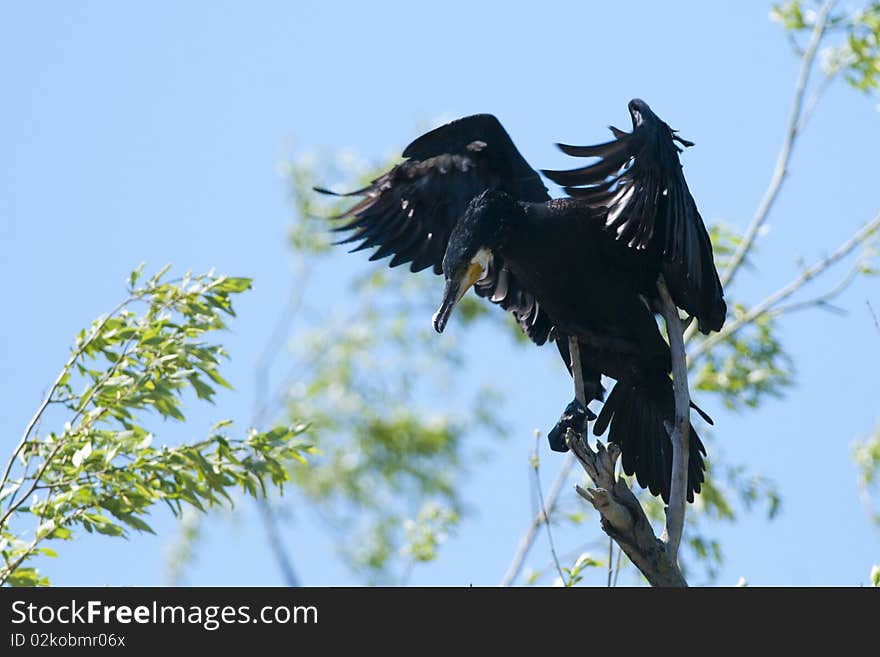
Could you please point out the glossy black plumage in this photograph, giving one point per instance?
(638, 178)
(465, 190)
(582, 277)
(409, 212)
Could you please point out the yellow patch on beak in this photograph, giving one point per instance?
(472, 275)
(476, 270)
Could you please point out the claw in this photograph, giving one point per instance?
(575, 417)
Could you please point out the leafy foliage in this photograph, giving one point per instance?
(748, 367)
(427, 532)
(99, 471)
(855, 54)
(574, 575)
(866, 455)
(360, 376)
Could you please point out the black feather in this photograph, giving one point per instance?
(409, 212)
(638, 177)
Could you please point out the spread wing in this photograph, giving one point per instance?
(639, 179)
(409, 212)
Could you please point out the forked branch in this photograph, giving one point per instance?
(622, 516)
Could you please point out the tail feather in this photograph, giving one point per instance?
(638, 417)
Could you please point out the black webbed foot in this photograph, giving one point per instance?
(575, 416)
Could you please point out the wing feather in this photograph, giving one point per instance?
(638, 178)
(409, 212)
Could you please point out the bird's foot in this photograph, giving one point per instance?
(575, 417)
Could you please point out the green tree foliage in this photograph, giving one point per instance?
(98, 468)
(866, 455)
(389, 465)
(854, 50)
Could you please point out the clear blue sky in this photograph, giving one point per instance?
(153, 131)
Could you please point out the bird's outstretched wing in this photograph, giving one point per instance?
(638, 178)
(409, 212)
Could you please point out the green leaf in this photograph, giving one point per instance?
(235, 285)
(27, 577)
(81, 454)
(135, 275)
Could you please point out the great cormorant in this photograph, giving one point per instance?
(466, 203)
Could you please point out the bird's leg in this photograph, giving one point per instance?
(575, 417)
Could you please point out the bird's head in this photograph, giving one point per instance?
(640, 112)
(475, 237)
(643, 115)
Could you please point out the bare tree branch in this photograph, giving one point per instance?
(680, 433)
(622, 517)
(874, 315)
(276, 544)
(860, 237)
(537, 471)
(610, 560)
(823, 300)
(528, 537)
(262, 407)
(617, 568)
(784, 157)
(807, 112)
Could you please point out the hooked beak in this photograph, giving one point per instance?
(455, 290)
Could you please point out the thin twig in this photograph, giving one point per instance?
(536, 469)
(28, 552)
(863, 234)
(610, 559)
(807, 113)
(569, 555)
(280, 332)
(262, 407)
(874, 315)
(823, 299)
(96, 330)
(617, 568)
(784, 157)
(12, 508)
(270, 524)
(528, 537)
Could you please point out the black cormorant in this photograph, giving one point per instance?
(466, 203)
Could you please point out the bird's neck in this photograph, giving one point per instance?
(520, 228)
(512, 220)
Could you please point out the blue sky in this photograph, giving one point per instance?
(153, 132)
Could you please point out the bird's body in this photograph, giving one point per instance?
(586, 286)
(467, 204)
(590, 288)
